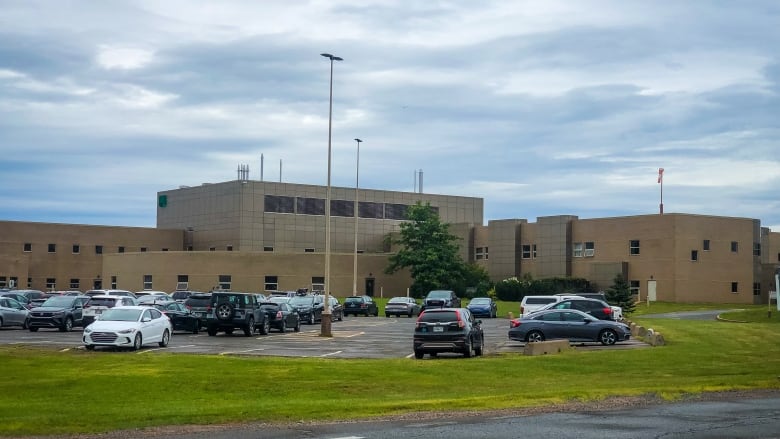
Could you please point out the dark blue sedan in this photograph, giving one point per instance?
(483, 306)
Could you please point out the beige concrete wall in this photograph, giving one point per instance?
(503, 242)
(553, 234)
(248, 271)
(63, 265)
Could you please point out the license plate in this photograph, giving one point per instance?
(98, 311)
(438, 329)
(200, 314)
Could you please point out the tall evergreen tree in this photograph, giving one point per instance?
(428, 250)
(619, 294)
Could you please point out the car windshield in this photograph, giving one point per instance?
(439, 295)
(269, 306)
(397, 300)
(539, 300)
(61, 301)
(480, 301)
(298, 301)
(121, 315)
(353, 299)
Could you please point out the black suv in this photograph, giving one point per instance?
(62, 312)
(448, 330)
(360, 305)
(229, 310)
(441, 299)
(198, 304)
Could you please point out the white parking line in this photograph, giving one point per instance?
(354, 335)
(184, 346)
(332, 353)
(149, 350)
(31, 342)
(410, 355)
(241, 352)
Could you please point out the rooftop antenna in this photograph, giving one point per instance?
(280, 170)
(243, 172)
(262, 165)
(421, 180)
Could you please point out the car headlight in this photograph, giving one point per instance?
(126, 331)
(88, 329)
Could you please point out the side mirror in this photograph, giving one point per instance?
(146, 319)
(479, 322)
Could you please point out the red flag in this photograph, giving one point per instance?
(660, 174)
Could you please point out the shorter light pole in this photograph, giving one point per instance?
(357, 184)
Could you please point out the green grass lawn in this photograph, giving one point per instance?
(50, 392)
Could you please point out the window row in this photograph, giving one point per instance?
(27, 247)
(345, 208)
(225, 282)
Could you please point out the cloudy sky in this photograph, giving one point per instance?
(539, 107)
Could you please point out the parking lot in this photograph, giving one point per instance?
(355, 337)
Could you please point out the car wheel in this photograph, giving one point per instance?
(32, 328)
(434, 354)
(89, 347)
(225, 311)
(534, 336)
(196, 327)
(165, 339)
(341, 317)
(297, 327)
(469, 349)
(311, 319)
(387, 316)
(607, 337)
(419, 354)
(250, 327)
(211, 331)
(266, 327)
(411, 313)
(283, 327)
(478, 350)
(67, 326)
(137, 342)
(26, 323)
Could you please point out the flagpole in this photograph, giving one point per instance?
(661, 181)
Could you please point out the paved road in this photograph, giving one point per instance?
(355, 337)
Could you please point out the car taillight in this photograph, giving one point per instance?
(461, 323)
(522, 310)
(279, 315)
(608, 311)
(514, 323)
(189, 308)
(363, 305)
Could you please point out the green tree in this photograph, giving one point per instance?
(619, 294)
(474, 283)
(428, 250)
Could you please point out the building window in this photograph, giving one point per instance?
(756, 289)
(318, 283)
(396, 211)
(308, 250)
(534, 250)
(633, 247)
(268, 249)
(578, 249)
(734, 246)
(189, 248)
(705, 245)
(481, 253)
(29, 282)
(590, 249)
(224, 281)
(229, 248)
(735, 287)
(694, 255)
(272, 283)
(51, 283)
(76, 249)
(756, 249)
(121, 249)
(2, 282)
(165, 249)
(310, 206)
(212, 249)
(27, 247)
(342, 208)
(74, 284)
(113, 282)
(279, 204)
(147, 281)
(52, 248)
(634, 286)
(99, 249)
(367, 209)
(778, 257)
(143, 249)
(526, 254)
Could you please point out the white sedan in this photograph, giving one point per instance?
(128, 326)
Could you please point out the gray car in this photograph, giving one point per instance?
(13, 313)
(568, 324)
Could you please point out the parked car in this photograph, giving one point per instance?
(198, 304)
(483, 306)
(568, 324)
(309, 307)
(448, 330)
(281, 316)
(441, 299)
(278, 299)
(364, 305)
(181, 318)
(97, 305)
(399, 306)
(182, 295)
(13, 313)
(530, 304)
(128, 326)
(617, 311)
(28, 298)
(153, 298)
(21, 298)
(336, 309)
(597, 308)
(228, 310)
(109, 292)
(61, 312)
(145, 293)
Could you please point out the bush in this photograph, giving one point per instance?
(514, 289)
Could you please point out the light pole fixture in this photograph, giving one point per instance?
(357, 184)
(325, 328)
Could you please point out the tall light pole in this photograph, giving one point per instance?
(357, 184)
(325, 328)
